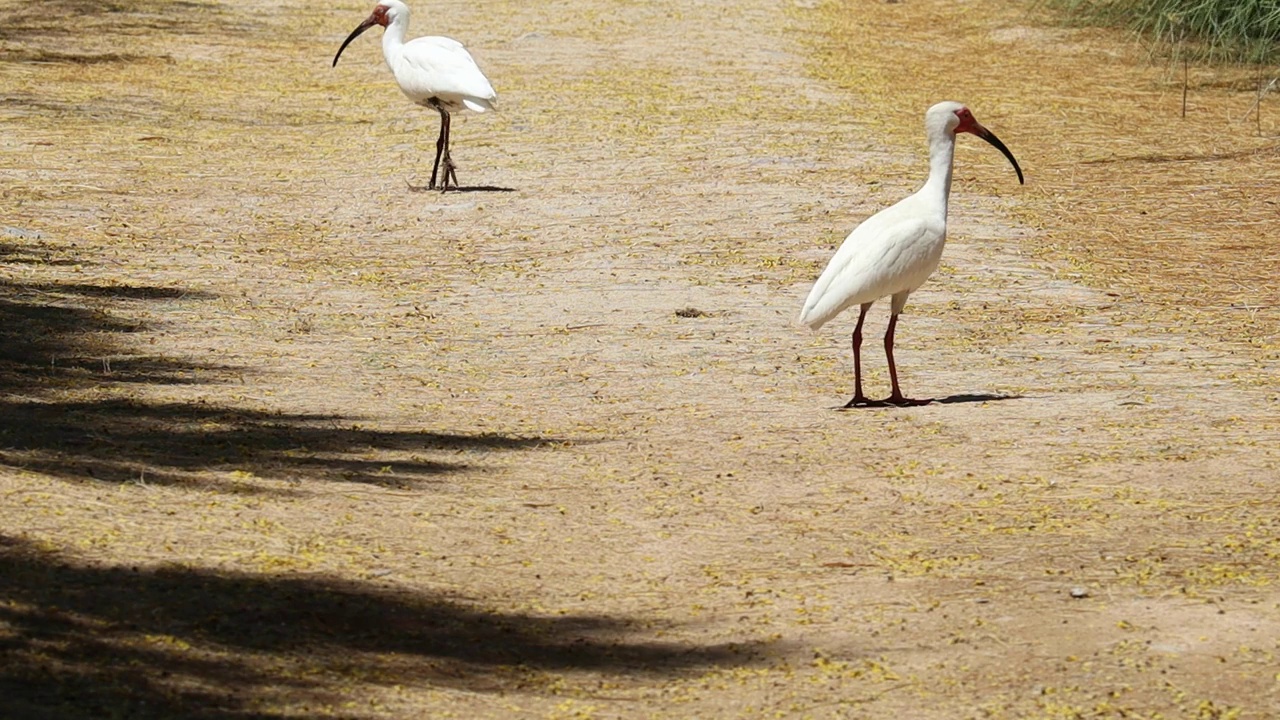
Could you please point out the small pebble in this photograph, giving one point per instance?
(1079, 592)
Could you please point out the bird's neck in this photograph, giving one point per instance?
(393, 37)
(942, 150)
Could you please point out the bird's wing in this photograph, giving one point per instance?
(865, 268)
(441, 66)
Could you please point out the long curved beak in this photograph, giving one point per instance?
(990, 137)
(368, 23)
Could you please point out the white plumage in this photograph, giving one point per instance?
(435, 72)
(436, 68)
(894, 251)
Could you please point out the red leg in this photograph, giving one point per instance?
(859, 400)
(896, 398)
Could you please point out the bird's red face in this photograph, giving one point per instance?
(967, 123)
(379, 16)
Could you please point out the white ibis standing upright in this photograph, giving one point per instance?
(435, 72)
(894, 251)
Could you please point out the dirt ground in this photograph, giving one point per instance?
(281, 438)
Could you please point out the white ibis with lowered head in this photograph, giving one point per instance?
(894, 251)
(435, 72)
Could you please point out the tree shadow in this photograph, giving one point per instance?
(178, 444)
(32, 251)
(70, 19)
(85, 641)
(65, 336)
(66, 408)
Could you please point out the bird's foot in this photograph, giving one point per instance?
(861, 401)
(449, 176)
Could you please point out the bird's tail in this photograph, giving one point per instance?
(816, 312)
(814, 319)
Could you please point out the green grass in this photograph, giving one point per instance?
(1223, 30)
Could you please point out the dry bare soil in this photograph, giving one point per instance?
(281, 438)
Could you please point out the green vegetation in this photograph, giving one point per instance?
(1229, 30)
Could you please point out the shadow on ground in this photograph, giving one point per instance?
(60, 19)
(974, 398)
(83, 641)
(958, 399)
(69, 406)
(122, 440)
(464, 189)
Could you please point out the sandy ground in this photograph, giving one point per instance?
(281, 438)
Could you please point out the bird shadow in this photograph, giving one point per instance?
(462, 189)
(974, 398)
(949, 400)
(482, 188)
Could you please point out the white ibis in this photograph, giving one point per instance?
(894, 251)
(435, 72)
